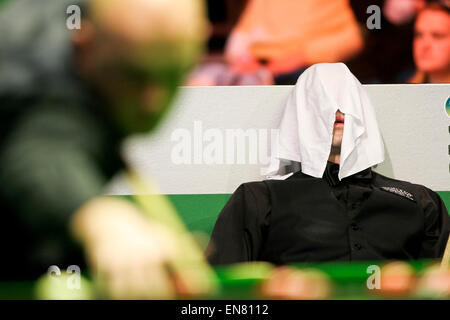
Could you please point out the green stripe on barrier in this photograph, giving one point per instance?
(445, 195)
(199, 211)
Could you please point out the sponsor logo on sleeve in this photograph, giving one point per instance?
(399, 192)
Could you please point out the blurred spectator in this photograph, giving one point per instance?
(67, 100)
(214, 70)
(431, 46)
(387, 56)
(288, 36)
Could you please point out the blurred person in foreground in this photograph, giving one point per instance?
(285, 37)
(431, 45)
(67, 99)
(321, 200)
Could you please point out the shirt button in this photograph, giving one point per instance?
(354, 227)
(357, 246)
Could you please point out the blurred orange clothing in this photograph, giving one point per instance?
(296, 33)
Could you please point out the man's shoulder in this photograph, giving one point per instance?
(297, 178)
(402, 187)
(254, 194)
(382, 180)
(253, 187)
(263, 187)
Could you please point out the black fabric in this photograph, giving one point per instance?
(58, 155)
(58, 145)
(305, 219)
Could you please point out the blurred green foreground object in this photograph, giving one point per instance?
(245, 281)
(64, 287)
(3, 1)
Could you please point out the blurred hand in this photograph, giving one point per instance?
(286, 64)
(244, 64)
(131, 257)
(238, 55)
(401, 11)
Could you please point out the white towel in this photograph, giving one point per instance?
(306, 128)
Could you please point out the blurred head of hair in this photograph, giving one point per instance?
(136, 53)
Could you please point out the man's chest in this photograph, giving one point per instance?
(314, 224)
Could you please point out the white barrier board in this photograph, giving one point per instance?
(190, 153)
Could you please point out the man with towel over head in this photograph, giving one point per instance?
(321, 200)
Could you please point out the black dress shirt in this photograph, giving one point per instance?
(366, 216)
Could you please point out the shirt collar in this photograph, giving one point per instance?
(332, 170)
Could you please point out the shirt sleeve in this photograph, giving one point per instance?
(437, 225)
(239, 232)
